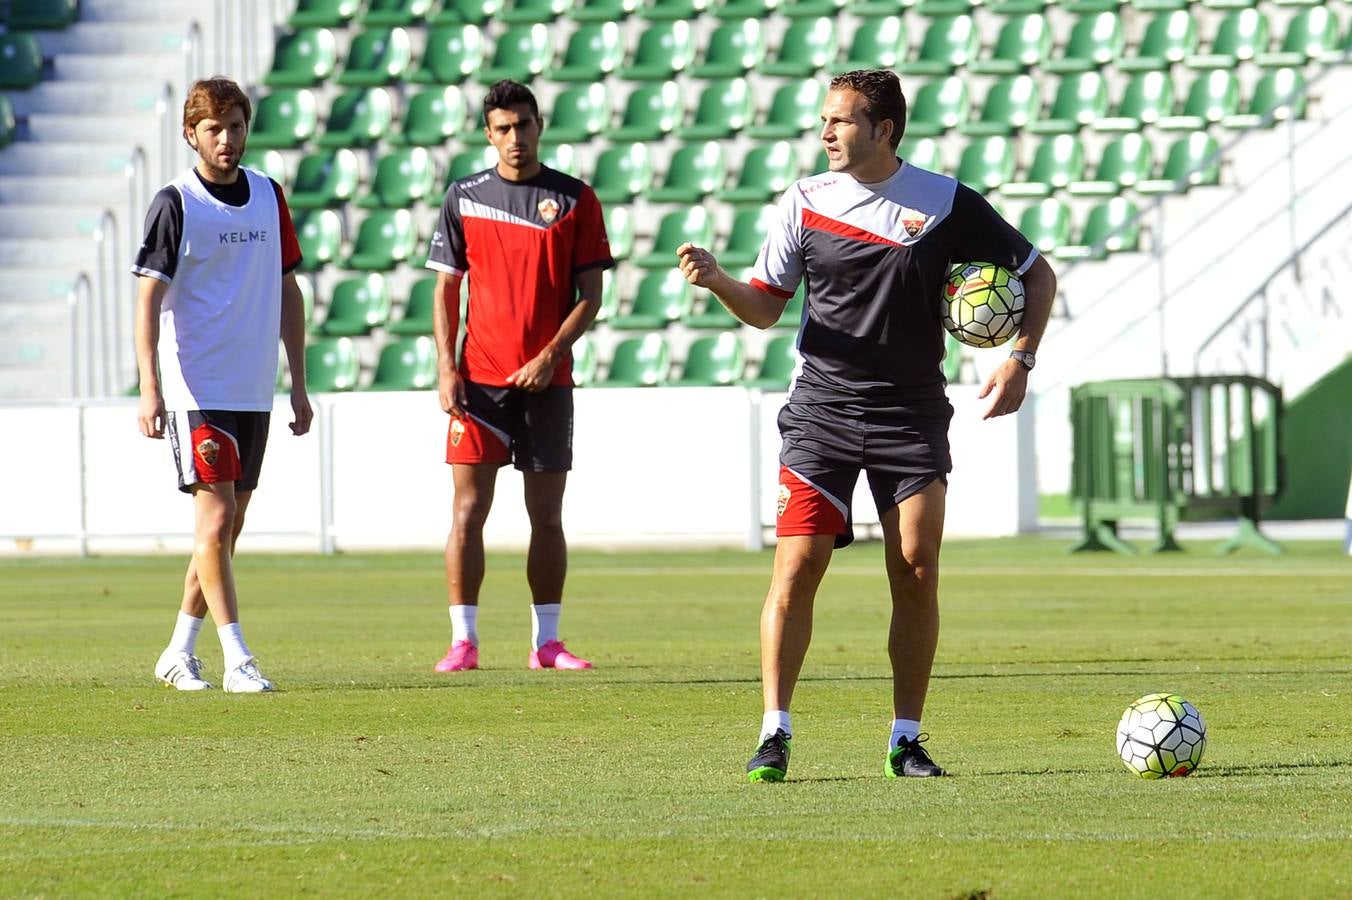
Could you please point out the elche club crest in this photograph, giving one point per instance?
(783, 501)
(913, 220)
(549, 209)
(457, 432)
(208, 450)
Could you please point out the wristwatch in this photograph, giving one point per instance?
(1025, 358)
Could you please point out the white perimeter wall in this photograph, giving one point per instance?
(652, 467)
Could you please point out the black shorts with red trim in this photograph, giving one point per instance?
(534, 431)
(902, 450)
(216, 445)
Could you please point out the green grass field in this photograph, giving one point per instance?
(368, 774)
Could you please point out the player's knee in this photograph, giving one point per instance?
(471, 512)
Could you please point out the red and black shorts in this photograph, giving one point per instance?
(217, 445)
(902, 450)
(534, 431)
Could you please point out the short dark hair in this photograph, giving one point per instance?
(883, 100)
(507, 93)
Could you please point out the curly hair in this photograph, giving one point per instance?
(883, 100)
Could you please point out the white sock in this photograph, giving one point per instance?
(185, 633)
(465, 623)
(778, 720)
(233, 646)
(903, 728)
(544, 623)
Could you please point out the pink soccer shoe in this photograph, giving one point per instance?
(553, 656)
(462, 657)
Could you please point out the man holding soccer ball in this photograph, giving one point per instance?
(874, 238)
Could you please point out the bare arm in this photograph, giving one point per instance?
(293, 341)
(1009, 383)
(751, 305)
(445, 330)
(537, 374)
(150, 412)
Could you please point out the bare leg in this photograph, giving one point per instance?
(547, 560)
(786, 620)
(474, 486)
(913, 532)
(215, 509)
(194, 603)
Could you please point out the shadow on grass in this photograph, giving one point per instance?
(1288, 768)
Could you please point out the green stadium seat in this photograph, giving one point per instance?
(395, 12)
(795, 109)
(1211, 97)
(672, 10)
(603, 10)
(1159, 5)
(622, 172)
(562, 158)
(664, 49)
(521, 53)
(580, 113)
(358, 305)
(766, 171)
(1278, 96)
(802, 9)
(432, 117)
(332, 365)
(1046, 224)
(1126, 161)
(725, 107)
(594, 51)
(323, 13)
(638, 362)
(1240, 37)
(986, 163)
(610, 295)
(8, 126)
(1147, 97)
(320, 234)
(403, 177)
(1057, 162)
(716, 360)
(734, 48)
(327, 178)
(1111, 227)
(1081, 99)
(418, 310)
(777, 365)
(462, 12)
(1010, 105)
(270, 162)
(696, 171)
(406, 364)
(922, 152)
(20, 60)
(1023, 42)
(1310, 36)
(950, 42)
(1194, 159)
(385, 238)
(712, 315)
(377, 56)
(694, 224)
(46, 15)
(303, 58)
(1170, 38)
(620, 231)
(471, 161)
(358, 118)
(808, 46)
(1341, 53)
(663, 296)
(452, 54)
(1095, 41)
(743, 9)
(1229, 4)
(745, 237)
(879, 42)
(939, 107)
(651, 112)
(586, 361)
(284, 119)
(529, 11)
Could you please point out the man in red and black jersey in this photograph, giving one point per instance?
(873, 238)
(533, 244)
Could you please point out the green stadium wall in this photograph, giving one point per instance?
(1318, 450)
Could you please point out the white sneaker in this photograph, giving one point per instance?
(180, 669)
(246, 679)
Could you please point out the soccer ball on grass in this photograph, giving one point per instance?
(982, 304)
(1161, 736)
